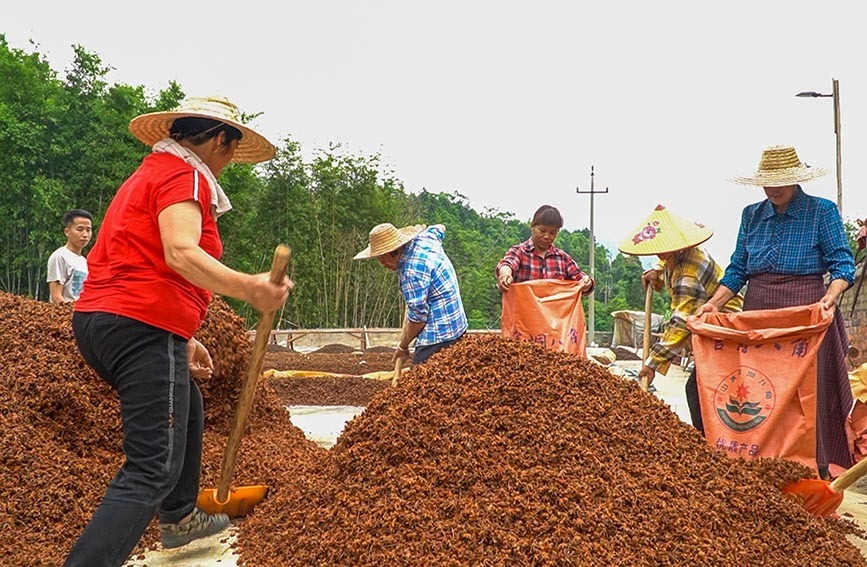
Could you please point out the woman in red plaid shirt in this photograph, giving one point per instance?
(537, 258)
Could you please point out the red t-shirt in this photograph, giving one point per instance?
(128, 271)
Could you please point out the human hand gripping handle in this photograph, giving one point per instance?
(651, 278)
(401, 354)
(267, 291)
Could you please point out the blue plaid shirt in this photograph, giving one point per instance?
(807, 238)
(430, 288)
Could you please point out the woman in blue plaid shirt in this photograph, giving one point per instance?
(786, 245)
(429, 285)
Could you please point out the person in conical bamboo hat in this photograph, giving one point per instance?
(435, 317)
(786, 246)
(690, 275)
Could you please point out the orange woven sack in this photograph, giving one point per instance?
(546, 312)
(756, 374)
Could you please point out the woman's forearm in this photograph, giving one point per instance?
(721, 297)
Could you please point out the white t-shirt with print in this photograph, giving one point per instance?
(70, 269)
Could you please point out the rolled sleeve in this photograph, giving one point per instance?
(414, 288)
(511, 259)
(835, 245)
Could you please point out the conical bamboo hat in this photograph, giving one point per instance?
(663, 232)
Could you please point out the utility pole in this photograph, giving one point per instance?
(591, 299)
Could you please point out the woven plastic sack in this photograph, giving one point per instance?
(756, 374)
(546, 312)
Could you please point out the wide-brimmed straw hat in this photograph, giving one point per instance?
(780, 166)
(385, 238)
(154, 126)
(663, 232)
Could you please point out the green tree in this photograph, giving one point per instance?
(65, 143)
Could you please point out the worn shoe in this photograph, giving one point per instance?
(200, 525)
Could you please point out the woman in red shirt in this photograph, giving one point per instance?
(153, 269)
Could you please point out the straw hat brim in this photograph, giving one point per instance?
(781, 178)
(402, 236)
(154, 126)
(655, 249)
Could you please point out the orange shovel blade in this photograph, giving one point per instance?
(817, 496)
(239, 502)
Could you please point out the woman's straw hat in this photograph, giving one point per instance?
(663, 232)
(154, 126)
(779, 167)
(385, 238)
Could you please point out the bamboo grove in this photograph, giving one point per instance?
(65, 143)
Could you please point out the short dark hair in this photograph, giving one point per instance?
(200, 130)
(70, 216)
(548, 216)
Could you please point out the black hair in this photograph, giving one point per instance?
(69, 217)
(200, 130)
(548, 216)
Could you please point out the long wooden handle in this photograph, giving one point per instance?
(245, 400)
(398, 365)
(850, 476)
(648, 311)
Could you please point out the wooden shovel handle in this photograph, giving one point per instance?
(398, 362)
(245, 400)
(398, 365)
(648, 311)
(855, 472)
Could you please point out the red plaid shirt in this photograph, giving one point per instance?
(527, 265)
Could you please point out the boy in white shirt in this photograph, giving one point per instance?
(67, 267)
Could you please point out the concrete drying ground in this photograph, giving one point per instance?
(323, 425)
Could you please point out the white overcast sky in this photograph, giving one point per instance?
(510, 103)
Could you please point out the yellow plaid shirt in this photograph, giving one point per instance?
(691, 277)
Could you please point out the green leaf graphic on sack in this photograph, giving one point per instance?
(751, 409)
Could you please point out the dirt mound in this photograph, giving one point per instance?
(498, 452)
(335, 348)
(327, 391)
(60, 428)
(375, 349)
(625, 354)
(494, 452)
(352, 364)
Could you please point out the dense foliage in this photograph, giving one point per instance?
(64, 143)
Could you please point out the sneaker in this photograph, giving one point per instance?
(200, 525)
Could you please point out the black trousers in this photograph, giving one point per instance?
(162, 417)
(693, 402)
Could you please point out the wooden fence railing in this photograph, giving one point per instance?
(360, 337)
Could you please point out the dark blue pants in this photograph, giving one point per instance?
(162, 417)
(422, 353)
